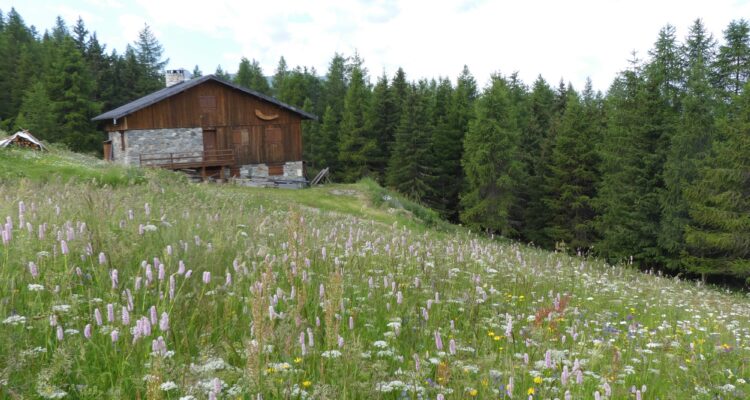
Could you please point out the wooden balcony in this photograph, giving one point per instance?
(198, 160)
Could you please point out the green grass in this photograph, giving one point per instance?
(57, 165)
(288, 263)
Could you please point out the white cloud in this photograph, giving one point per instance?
(570, 40)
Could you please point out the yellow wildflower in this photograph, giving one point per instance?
(473, 392)
(306, 384)
(531, 391)
(298, 360)
(538, 380)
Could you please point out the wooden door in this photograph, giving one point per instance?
(274, 149)
(209, 142)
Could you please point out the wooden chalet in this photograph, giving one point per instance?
(208, 124)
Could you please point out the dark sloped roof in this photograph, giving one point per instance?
(162, 94)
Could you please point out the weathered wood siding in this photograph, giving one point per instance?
(213, 106)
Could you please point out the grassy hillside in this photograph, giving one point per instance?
(148, 287)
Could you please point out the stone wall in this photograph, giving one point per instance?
(137, 142)
(292, 170)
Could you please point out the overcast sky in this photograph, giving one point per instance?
(557, 39)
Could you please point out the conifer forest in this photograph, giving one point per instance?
(654, 172)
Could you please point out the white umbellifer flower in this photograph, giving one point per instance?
(15, 320)
(167, 386)
(35, 287)
(188, 397)
(331, 354)
(61, 308)
(149, 228)
(381, 344)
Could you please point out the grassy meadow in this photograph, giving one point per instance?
(123, 283)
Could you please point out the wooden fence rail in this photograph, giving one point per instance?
(189, 160)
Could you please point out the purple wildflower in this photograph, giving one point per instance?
(125, 316)
(110, 312)
(64, 247)
(438, 341)
(87, 331)
(33, 270)
(115, 335)
(60, 334)
(206, 277)
(102, 259)
(164, 322)
(98, 316)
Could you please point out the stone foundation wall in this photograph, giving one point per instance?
(137, 142)
(292, 170)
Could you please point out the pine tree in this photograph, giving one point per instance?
(356, 144)
(492, 163)
(250, 75)
(409, 169)
(717, 239)
(149, 52)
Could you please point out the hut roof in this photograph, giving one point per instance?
(24, 138)
(170, 91)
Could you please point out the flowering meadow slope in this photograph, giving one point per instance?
(165, 290)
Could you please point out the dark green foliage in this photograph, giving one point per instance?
(219, 73)
(250, 75)
(717, 239)
(356, 143)
(654, 172)
(570, 186)
(197, 73)
(382, 122)
(37, 113)
(492, 163)
(70, 88)
(690, 144)
(148, 52)
(536, 146)
(409, 168)
(632, 161)
(733, 61)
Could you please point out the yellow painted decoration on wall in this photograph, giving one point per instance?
(265, 117)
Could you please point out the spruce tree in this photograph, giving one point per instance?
(37, 113)
(492, 163)
(219, 73)
(70, 88)
(409, 168)
(717, 239)
(733, 60)
(356, 144)
(536, 145)
(325, 148)
(690, 145)
(250, 75)
(451, 172)
(381, 121)
(447, 148)
(570, 186)
(282, 71)
(148, 52)
(197, 73)
(80, 35)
